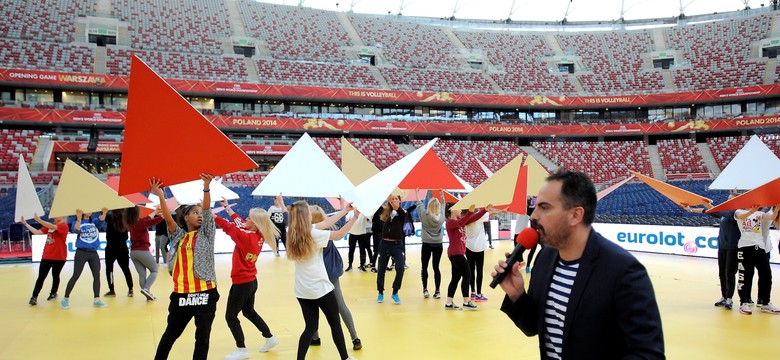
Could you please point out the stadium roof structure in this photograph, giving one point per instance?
(523, 11)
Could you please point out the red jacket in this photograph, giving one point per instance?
(456, 232)
(139, 233)
(247, 250)
(55, 248)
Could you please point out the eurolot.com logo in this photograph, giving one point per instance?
(661, 239)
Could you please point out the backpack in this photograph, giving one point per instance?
(333, 262)
(408, 225)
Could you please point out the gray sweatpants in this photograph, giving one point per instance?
(343, 311)
(143, 260)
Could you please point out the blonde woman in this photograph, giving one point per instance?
(432, 220)
(249, 236)
(313, 289)
(318, 215)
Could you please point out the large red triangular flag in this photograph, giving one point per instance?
(167, 138)
(764, 195)
(519, 203)
(135, 198)
(448, 198)
(430, 173)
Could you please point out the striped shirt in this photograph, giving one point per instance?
(184, 279)
(555, 307)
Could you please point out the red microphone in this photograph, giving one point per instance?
(526, 239)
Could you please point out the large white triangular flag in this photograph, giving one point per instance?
(191, 192)
(27, 202)
(305, 171)
(374, 191)
(78, 189)
(754, 165)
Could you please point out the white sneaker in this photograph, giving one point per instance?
(269, 344)
(769, 308)
(352, 358)
(745, 309)
(239, 354)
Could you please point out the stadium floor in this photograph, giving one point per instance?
(419, 328)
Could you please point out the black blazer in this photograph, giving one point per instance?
(612, 311)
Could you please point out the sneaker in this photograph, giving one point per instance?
(348, 268)
(390, 268)
(315, 342)
(437, 295)
(729, 304)
(396, 299)
(33, 301)
(406, 266)
(470, 306)
(380, 298)
(769, 308)
(362, 268)
(451, 306)
(426, 294)
(473, 296)
(527, 269)
(373, 270)
(277, 254)
(51, 297)
(110, 294)
(239, 354)
(352, 358)
(721, 302)
(745, 309)
(99, 304)
(270, 343)
(481, 298)
(356, 344)
(491, 246)
(149, 296)
(129, 293)
(65, 304)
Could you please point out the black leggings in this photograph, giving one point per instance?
(122, 258)
(476, 265)
(362, 241)
(727, 269)
(486, 224)
(311, 315)
(752, 259)
(460, 269)
(43, 271)
(82, 257)
(435, 251)
(242, 299)
(183, 307)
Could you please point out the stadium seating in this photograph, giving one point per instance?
(616, 61)
(605, 162)
(408, 45)
(332, 147)
(718, 53)
(296, 33)
(43, 20)
(437, 80)
(193, 26)
(16, 142)
(179, 65)
(517, 58)
(680, 156)
(38, 55)
(315, 74)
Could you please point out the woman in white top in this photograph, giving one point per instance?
(314, 291)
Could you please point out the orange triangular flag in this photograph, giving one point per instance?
(144, 211)
(679, 196)
(519, 203)
(764, 195)
(135, 198)
(430, 173)
(448, 198)
(158, 117)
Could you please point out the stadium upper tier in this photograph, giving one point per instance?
(292, 45)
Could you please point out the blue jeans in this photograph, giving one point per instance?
(396, 250)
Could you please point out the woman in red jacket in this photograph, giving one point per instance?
(139, 248)
(456, 252)
(54, 254)
(249, 237)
